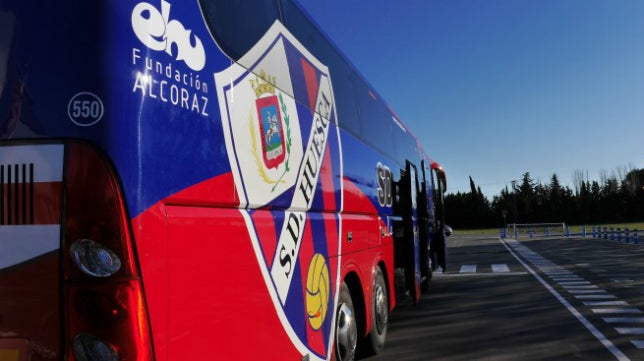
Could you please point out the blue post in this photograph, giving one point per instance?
(594, 231)
(547, 231)
(583, 231)
(605, 233)
(612, 233)
(635, 238)
(502, 233)
(627, 235)
(568, 231)
(619, 234)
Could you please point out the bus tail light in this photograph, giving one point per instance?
(105, 311)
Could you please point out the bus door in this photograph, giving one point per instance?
(438, 250)
(406, 242)
(424, 230)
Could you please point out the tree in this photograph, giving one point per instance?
(617, 197)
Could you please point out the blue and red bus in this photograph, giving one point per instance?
(200, 180)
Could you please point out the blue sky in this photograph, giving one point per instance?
(497, 88)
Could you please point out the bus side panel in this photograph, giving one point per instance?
(367, 192)
(372, 243)
(218, 302)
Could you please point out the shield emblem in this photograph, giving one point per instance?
(283, 143)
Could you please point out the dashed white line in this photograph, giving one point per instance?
(615, 310)
(606, 303)
(468, 268)
(565, 279)
(575, 283)
(528, 253)
(595, 297)
(623, 319)
(630, 330)
(580, 287)
(638, 344)
(500, 268)
(579, 292)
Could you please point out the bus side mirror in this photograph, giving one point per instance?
(448, 231)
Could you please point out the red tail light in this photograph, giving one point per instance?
(106, 317)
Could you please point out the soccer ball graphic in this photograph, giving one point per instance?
(317, 291)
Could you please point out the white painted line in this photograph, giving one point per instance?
(500, 268)
(623, 319)
(606, 303)
(567, 278)
(589, 326)
(480, 274)
(579, 292)
(595, 297)
(638, 343)
(468, 268)
(555, 272)
(575, 283)
(580, 287)
(615, 310)
(630, 330)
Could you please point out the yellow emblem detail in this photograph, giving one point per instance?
(317, 291)
(263, 84)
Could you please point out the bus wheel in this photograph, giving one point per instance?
(380, 314)
(346, 328)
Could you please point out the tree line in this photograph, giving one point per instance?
(617, 197)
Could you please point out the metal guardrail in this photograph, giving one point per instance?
(601, 232)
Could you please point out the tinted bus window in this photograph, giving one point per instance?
(376, 120)
(233, 36)
(405, 146)
(342, 74)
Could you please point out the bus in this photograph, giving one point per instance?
(201, 180)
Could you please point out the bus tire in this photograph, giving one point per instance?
(379, 314)
(346, 327)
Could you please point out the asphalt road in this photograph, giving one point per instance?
(532, 299)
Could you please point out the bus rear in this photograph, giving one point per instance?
(70, 285)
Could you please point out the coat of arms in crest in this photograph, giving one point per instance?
(270, 120)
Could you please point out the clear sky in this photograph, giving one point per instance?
(497, 88)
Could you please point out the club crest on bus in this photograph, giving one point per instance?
(284, 152)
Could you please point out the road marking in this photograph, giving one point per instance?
(481, 274)
(630, 330)
(468, 268)
(623, 319)
(578, 292)
(525, 252)
(595, 297)
(616, 310)
(500, 268)
(637, 343)
(606, 303)
(559, 273)
(579, 287)
(576, 283)
(567, 278)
